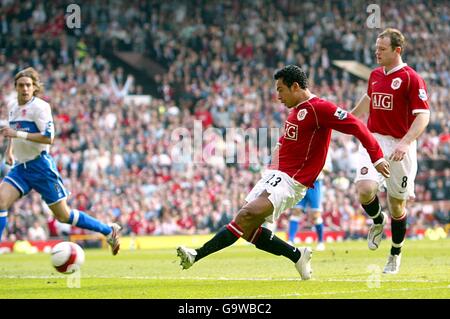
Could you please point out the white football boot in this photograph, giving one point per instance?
(376, 233)
(393, 264)
(303, 265)
(187, 256)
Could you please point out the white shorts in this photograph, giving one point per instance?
(284, 192)
(400, 184)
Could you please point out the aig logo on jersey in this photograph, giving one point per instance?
(302, 114)
(382, 101)
(290, 131)
(396, 83)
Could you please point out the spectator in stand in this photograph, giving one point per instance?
(200, 59)
(37, 232)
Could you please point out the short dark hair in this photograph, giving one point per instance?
(291, 74)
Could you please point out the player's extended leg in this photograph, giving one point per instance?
(247, 225)
(8, 195)
(367, 192)
(398, 228)
(64, 214)
(249, 218)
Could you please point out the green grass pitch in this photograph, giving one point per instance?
(344, 270)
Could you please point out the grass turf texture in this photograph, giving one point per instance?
(344, 270)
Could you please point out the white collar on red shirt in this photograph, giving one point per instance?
(398, 67)
(310, 97)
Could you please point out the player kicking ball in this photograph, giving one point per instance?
(297, 161)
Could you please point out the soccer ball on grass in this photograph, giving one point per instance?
(67, 257)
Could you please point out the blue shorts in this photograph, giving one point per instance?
(312, 198)
(41, 175)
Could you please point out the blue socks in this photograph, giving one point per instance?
(83, 220)
(293, 227)
(3, 221)
(319, 232)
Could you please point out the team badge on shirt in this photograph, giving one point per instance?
(396, 83)
(24, 112)
(423, 95)
(302, 114)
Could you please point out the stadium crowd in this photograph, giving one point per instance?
(125, 161)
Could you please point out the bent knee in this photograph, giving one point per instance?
(248, 219)
(246, 215)
(397, 207)
(366, 190)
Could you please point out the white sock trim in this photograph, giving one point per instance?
(398, 245)
(236, 230)
(378, 214)
(3, 214)
(76, 216)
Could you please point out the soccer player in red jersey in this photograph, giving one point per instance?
(396, 101)
(296, 163)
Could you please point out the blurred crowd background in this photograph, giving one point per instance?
(119, 157)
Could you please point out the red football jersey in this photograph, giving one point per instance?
(395, 99)
(307, 134)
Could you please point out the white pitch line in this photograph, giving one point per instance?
(295, 279)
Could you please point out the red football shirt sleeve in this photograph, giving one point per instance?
(338, 119)
(417, 94)
(281, 139)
